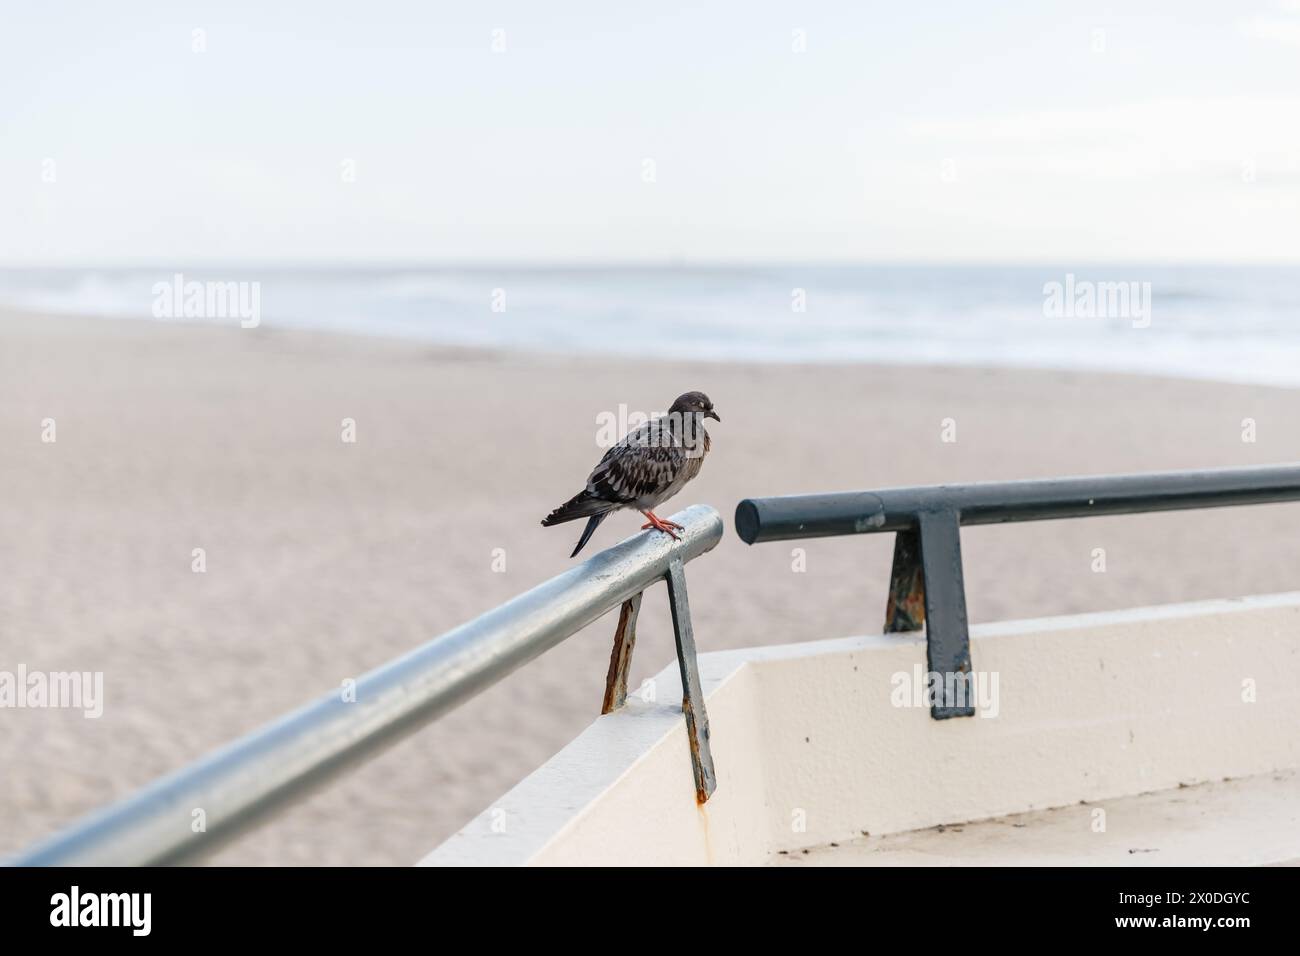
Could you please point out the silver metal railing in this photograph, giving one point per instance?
(239, 784)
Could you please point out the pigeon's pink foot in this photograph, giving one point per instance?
(669, 528)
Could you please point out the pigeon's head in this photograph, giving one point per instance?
(694, 403)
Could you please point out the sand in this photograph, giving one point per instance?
(326, 558)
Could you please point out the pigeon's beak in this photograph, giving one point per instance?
(712, 414)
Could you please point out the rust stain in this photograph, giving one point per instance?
(620, 657)
(906, 608)
(692, 738)
(703, 812)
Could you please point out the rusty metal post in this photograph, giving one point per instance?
(906, 608)
(933, 553)
(620, 658)
(697, 718)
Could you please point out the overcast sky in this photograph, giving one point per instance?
(394, 131)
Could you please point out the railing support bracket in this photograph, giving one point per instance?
(926, 587)
(620, 663)
(697, 718)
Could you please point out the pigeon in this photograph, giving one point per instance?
(650, 465)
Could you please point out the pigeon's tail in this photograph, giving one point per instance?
(592, 523)
(582, 505)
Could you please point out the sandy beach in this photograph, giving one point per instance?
(325, 558)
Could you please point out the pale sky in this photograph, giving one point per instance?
(1064, 131)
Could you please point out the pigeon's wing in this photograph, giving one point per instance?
(641, 464)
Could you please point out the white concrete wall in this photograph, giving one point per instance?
(811, 747)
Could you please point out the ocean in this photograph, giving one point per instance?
(1227, 323)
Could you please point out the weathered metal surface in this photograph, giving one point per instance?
(947, 635)
(934, 549)
(620, 658)
(241, 783)
(906, 608)
(895, 509)
(926, 584)
(697, 718)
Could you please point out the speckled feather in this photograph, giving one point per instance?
(650, 465)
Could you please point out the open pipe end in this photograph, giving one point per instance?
(747, 521)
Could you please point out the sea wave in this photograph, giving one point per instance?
(1230, 323)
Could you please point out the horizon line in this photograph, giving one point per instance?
(610, 265)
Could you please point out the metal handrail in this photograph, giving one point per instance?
(926, 584)
(239, 784)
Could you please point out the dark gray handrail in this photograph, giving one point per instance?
(992, 502)
(926, 584)
(239, 784)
